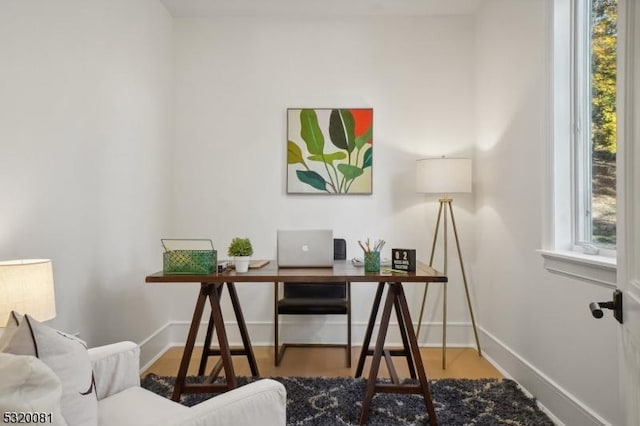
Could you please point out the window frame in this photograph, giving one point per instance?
(561, 253)
(581, 138)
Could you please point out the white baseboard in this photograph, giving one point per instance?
(154, 346)
(560, 405)
(305, 330)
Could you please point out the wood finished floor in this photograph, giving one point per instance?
(330, 362)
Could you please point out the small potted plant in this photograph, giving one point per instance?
(241, 250)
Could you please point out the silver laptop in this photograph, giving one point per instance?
(309, 248)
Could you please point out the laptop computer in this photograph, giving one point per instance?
(308, 248)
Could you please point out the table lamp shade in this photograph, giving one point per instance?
(443, 175)
(26, 286)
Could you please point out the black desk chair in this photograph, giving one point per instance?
(333, 298)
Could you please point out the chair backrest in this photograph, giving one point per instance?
(339, 249)
(337, 290)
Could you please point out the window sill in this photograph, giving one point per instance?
(593, 269)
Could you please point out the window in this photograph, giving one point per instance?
(594, 123)
(580, 237)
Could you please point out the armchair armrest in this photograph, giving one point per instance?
(115, 367)
(259, 403)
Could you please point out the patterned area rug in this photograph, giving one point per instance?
(337, 401)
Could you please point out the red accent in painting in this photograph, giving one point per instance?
(363, 118)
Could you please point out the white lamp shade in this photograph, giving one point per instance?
(26, 286)
(443, 175)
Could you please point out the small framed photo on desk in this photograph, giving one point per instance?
(403, 259)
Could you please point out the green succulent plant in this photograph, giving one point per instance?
(240, 247)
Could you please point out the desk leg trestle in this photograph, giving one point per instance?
(388, 353)
(213, 292)
(207, 344)
(413, 341)
(405, 340)
(377, 356)
(191, 340)
(349, 323)
(395, 299)
(369, 331)
(276, 343)
(223, 342)
(207, 339)
(244, 333)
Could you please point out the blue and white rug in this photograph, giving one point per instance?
(337, 401)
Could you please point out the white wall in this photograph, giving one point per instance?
(84, 127)
(235, 78)
(536, 325)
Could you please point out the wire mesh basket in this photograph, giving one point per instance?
(194, 256)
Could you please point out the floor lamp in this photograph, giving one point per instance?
(445, 176)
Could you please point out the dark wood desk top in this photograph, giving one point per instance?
(342, 271)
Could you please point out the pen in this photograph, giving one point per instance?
(398, 271)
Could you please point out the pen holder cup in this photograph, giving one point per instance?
(372, 261)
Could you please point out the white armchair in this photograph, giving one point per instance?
(121, 400)
(29, 385)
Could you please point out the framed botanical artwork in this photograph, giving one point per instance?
(329, 151)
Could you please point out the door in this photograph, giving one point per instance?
(629, 205)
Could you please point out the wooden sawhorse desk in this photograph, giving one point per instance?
(211, 287)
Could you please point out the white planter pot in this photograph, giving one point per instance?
(241, 263)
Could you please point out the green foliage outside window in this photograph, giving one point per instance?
(603, 84)
(604, 37)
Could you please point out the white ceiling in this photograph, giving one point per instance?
(208, 8)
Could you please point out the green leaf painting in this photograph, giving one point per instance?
(312, 178)
(341, 129)
(311, 133)
(328, 158)
(315, 167)
(349, 171)
(294, 154)
(367, 159)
